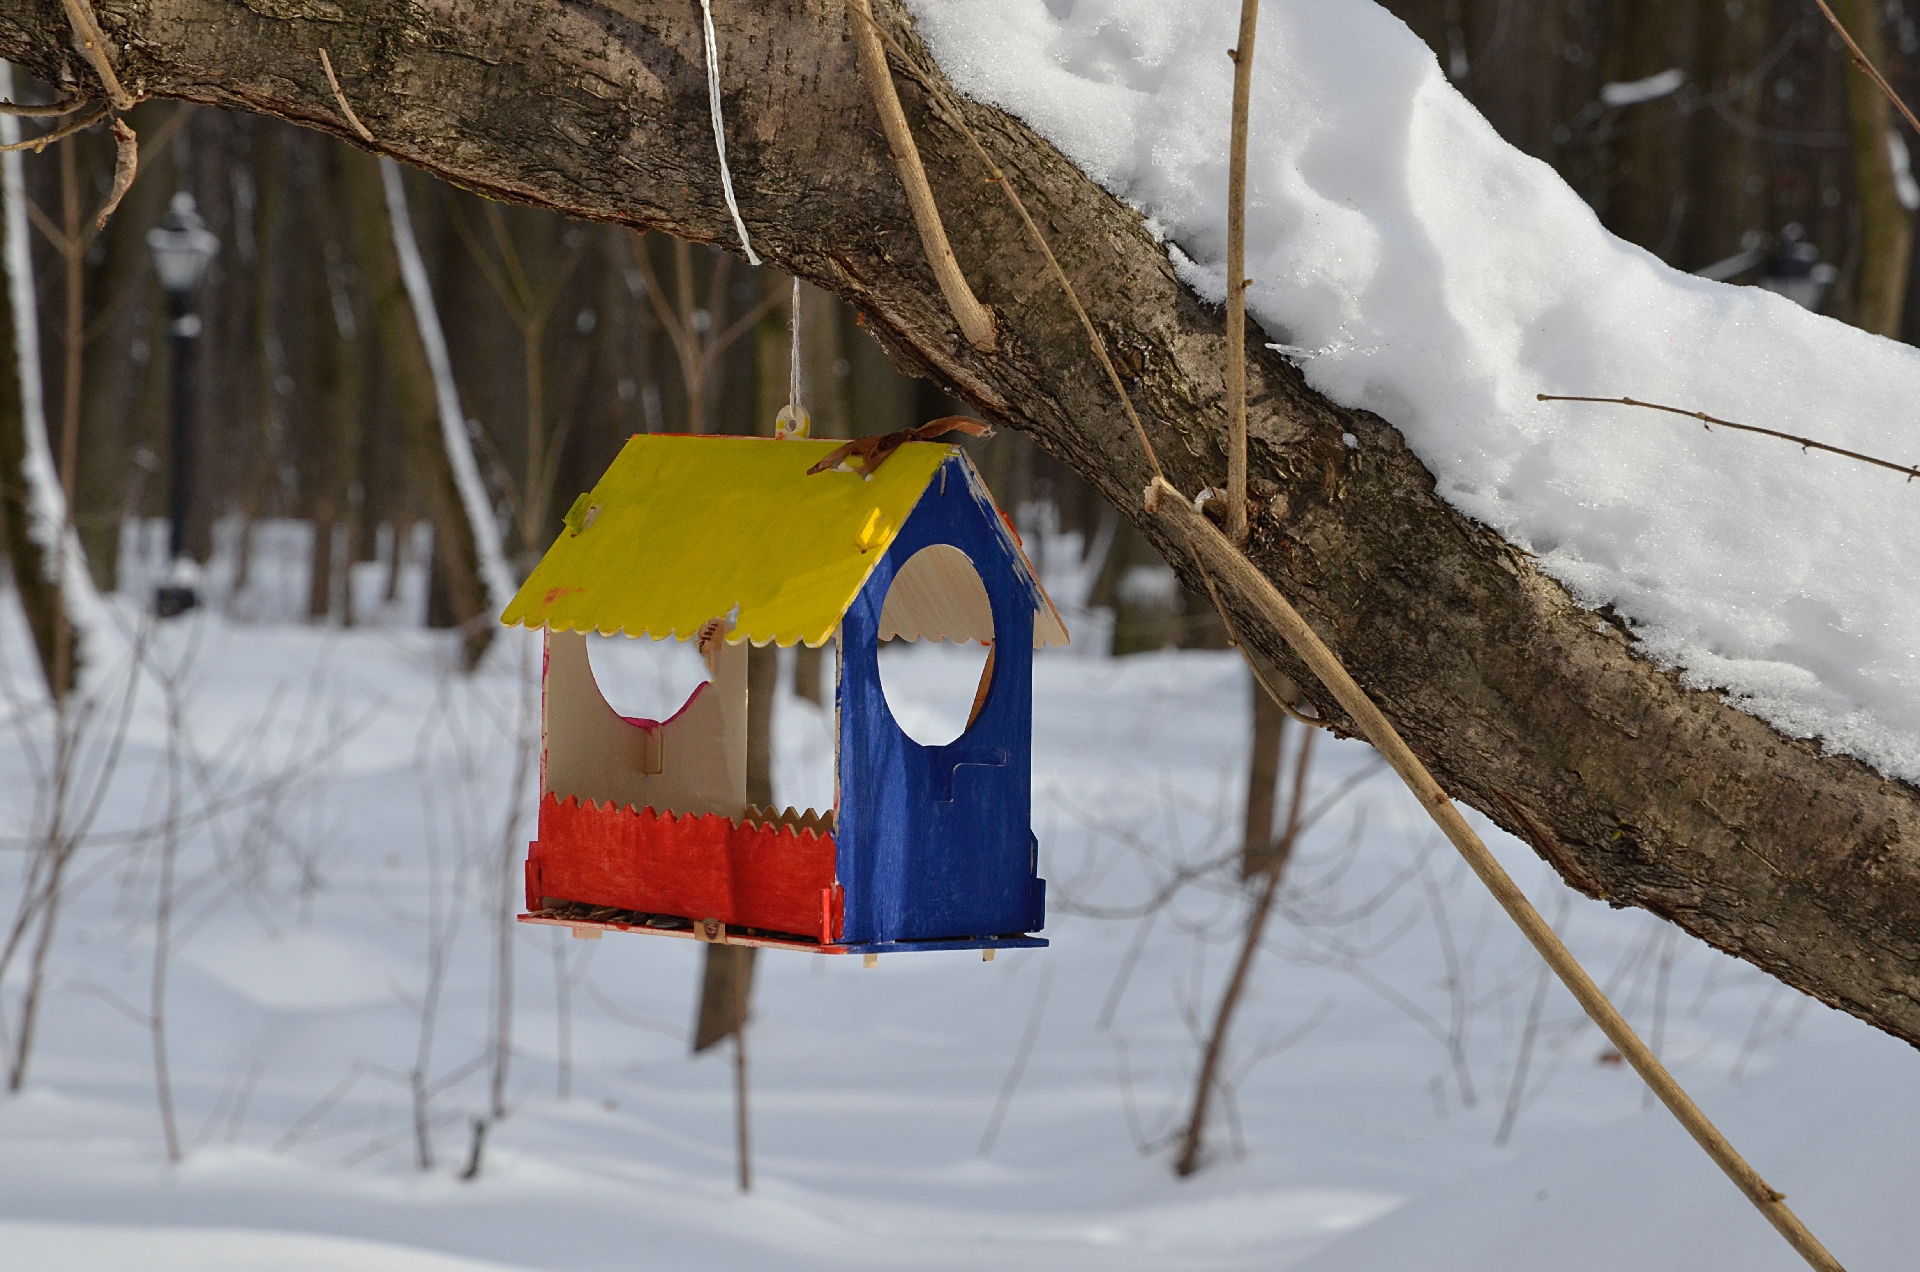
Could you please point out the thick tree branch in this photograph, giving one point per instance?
(1537, 712)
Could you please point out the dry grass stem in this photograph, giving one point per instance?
(974, 319)
(944, 107)
(93, 45)
(1164, 501)
(1242, 56)
(346, 108)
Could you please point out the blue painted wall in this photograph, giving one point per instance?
(936, 842)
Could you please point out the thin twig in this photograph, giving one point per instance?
(628, 1018)
(52, 110)
(37, 144)
(308, 1120)
(93, 45)
(1020, 1058)
(1164, 501)
(742, 1126)
(1517, 1085)
(1242, 56)
(1135, 948)
(163, 933)
(1804, 443)
(1457, 971)
(326, 64)
(951, 114)
(1868, 69)
(974, 319)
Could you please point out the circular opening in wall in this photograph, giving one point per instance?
(936, 631)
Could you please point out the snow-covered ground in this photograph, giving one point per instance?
(1418, 266)
(934, 1112)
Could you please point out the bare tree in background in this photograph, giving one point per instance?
(37, 485)
(1267, 854)
(528, 293)
(1886, 226)
(697, 329)
(73, 763)
(726, 985)
(466, 538)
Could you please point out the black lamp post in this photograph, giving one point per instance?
(1796, 270)
(182, 247)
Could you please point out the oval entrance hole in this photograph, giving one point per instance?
(936, 630)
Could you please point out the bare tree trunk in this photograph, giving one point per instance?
(773, 352)
(72, 353)
(52, 579)
(49, 564)
(336, 448)
(348, 432)
(1263, 775)
(694, 369)
(267, 415)
(122, 309)
(809, 677)
(1268, 881)
(726, 986)
(826, 372)
(1886, 228)
(466, 538)
(27, 552)
(726, 995)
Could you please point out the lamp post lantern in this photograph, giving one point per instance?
(182, 248)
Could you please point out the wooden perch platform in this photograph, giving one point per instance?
(592, 920)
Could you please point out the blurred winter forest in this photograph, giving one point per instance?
(1724, 136)
(1719, 136)
(565, 339)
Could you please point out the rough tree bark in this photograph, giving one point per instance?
(1539, 713)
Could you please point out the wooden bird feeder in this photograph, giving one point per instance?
(644, 825)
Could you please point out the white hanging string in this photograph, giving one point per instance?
(793, 325)
(720, 130)
(792, 420)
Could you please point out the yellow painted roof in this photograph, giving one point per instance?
(681, 529)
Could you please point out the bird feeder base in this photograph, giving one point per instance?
(714, 932)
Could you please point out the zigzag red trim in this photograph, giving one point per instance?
(775, 878)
